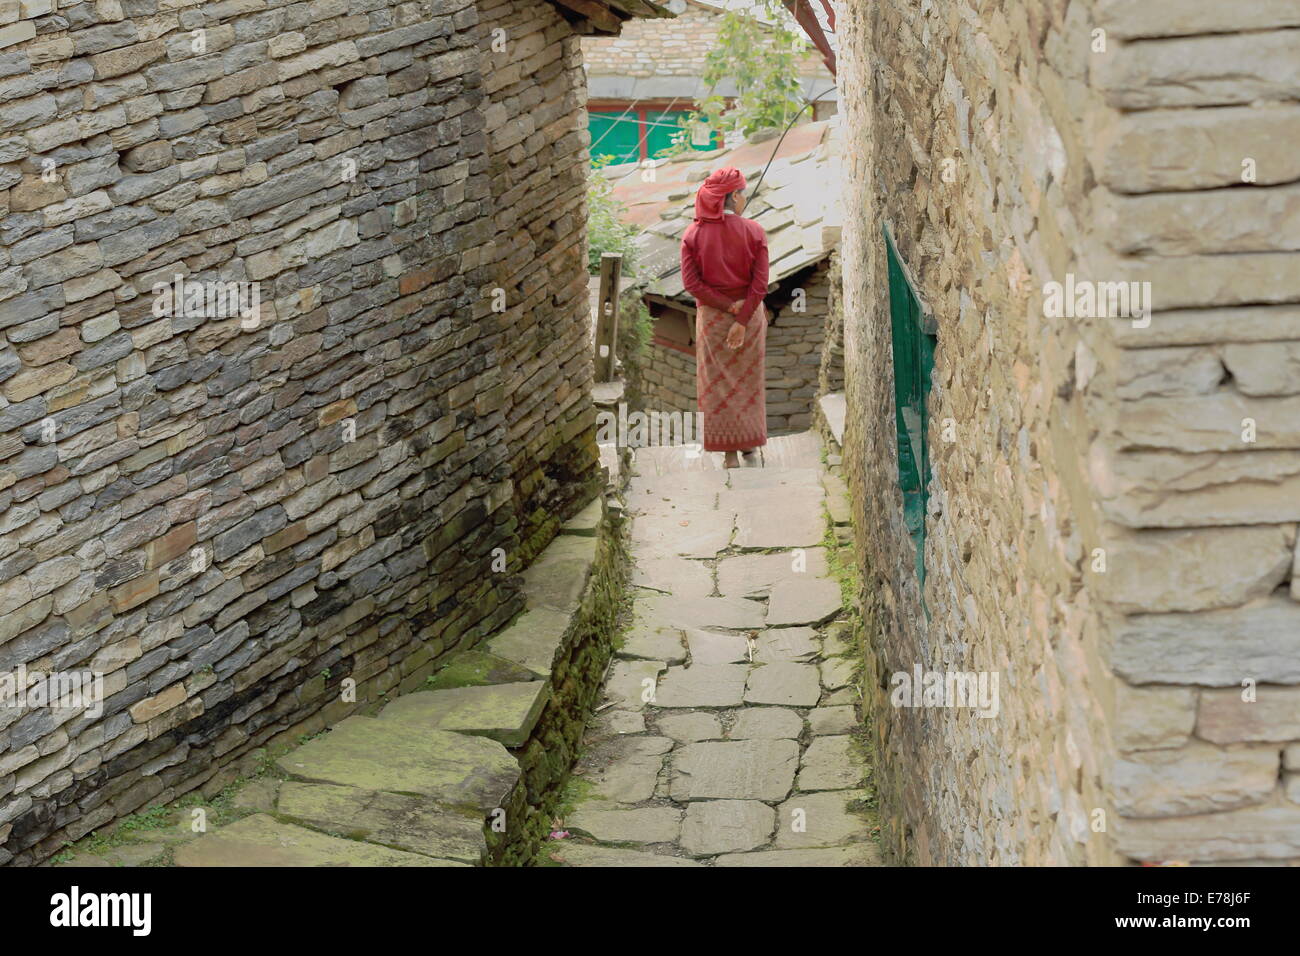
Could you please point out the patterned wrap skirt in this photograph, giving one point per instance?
(731, 385)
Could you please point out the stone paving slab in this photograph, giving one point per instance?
(730, 614)
(801, 523)
(579, 854)
(532, 640)
(787, 684)
(715, 647)
(840, 719)
(753, 575)
(682, 577)
(390, 819)
(702, 685)
(643, 825)
(837, 672)
(621, 722)
(627, 686)
(702, 535)
(726, 826)
(690, 727)
(820, 820)
(766, 723)
(630, 770)
(644, 501)
(858, 854)
(654, 643)
(503, 712)
(796, 645)
(828, 764)
(803, 602)
(740, 770)
(259, 840)
(386, 755)
(742, 479)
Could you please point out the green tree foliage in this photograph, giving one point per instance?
(762, 59)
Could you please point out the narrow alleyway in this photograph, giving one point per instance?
(725, 735)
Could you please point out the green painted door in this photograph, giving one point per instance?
(913, 353)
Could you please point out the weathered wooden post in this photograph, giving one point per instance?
(611, 268)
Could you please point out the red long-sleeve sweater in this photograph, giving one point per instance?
(726, 260)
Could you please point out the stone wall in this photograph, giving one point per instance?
(676, 46)
(1099, 535)
(537, 137)
(1197, 465)
(233, 518)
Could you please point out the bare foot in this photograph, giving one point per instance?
(729, 460)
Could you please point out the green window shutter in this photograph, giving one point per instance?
(615, 134)
(913, 354)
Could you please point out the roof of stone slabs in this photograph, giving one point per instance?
(797, 203)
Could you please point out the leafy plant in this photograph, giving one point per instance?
(762, 59)
(606, 231)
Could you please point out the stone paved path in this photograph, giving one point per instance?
(725, 733)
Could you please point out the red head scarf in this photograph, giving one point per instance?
(713, 191)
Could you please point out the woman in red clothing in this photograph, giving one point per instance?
(724, 265)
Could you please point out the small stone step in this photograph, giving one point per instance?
(394, 820)
(532, 640)
(260, 840)
(472, 668)
(587, 521)
(387, 755)
(503, 712)
(558, 578)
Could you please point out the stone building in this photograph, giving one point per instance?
(294, 370)
(1087, 490)
(796, 204)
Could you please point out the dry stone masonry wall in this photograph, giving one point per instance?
(229, 515)
(1105, 532)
